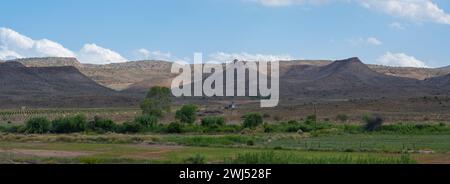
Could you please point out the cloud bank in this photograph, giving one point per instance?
(14, 45)
(92, 53)
(144, 54)
(400, 60)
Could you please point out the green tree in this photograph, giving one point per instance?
(252, 120)
(38, 125)
(372, 123)
(70, 124)
(157, 102)
(213, 121)
(146, 120)
(187, 114)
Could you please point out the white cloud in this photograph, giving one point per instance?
(228, 57)
(144, 54)
(400, 60)
(416, 10)
(397, 25)
(14, 45)
(365, 41)
(92, 53)
(373, 41)
(7, 55)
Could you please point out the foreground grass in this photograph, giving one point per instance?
(229, 148)
(145, 154)
(382, 143)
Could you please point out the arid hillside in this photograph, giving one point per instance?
(350, 79)
(140, 75)
(62, 86)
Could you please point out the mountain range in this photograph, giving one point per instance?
(56, 81)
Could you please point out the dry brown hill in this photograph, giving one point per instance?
(137, 75)
(52, 86)
(349, 79)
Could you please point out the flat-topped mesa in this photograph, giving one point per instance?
(352, 66)
(11, 64)
(350, 60)
(50, 62)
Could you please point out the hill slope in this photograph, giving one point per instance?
(348, 79)
(50, 86)
(443, 81)
(140, 75)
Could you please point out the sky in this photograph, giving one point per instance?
(413, 33)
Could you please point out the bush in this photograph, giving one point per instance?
(38, 125)
(146, 120)
(70, 124)
(174, 127)
(196, 159)
(250, 143)
(102, 125)
(187, 114)
(268, 128)
(130, 127)
(252, 120)
(311, 119)
(213, 122)
(372, 123)
(13, 129)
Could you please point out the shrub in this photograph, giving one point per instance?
(13, 129)
(102, 125)
(252, 120)
(174, 127)
(69, 124)
(372, 123)
(250, 143)
(38, 125)
(229, 129)
(187, 114)
(130, 127)
(196, 159)
(268, 128)
(213, 122)
(146, 120)
(311, 119)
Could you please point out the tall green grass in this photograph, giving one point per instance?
(202, 141)
(273, 158)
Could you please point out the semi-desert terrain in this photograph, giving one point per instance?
(321, 117)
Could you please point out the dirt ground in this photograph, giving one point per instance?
(46, 153)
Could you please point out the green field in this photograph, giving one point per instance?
(255, 148)
(99, 136)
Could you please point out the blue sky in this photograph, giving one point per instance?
(102, 31)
